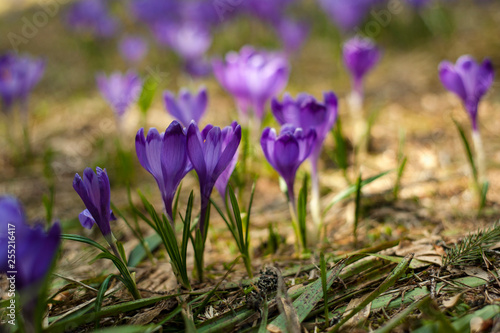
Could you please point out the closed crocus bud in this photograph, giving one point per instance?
(133, 49)
(468, 80)
(35, 247)
(187, 107)
(252, 77)
(211, 153)
(94, 190)
(287, 151)
(120, 90)
(18, 76)
(292, 34)
(164, 155)
(360, 56)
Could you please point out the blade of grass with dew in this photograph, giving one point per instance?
(357, 209)
(311, 296)
(388, 282)
(352, 189)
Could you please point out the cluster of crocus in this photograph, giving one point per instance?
(35, 251)
(187, 107)
(306, 113)
(360, 56)
(286, 152)
(470, 81)
(164, 155)
(119, 90)
(18, 76)
(133, 49)
(169, 156)
(252, 77)
(92, 17)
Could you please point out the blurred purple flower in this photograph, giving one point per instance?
(189, 40)
(252, 77)
(152, 11)
(35, 248)
(468, 80)
(120, 90)
(18, 76)
(292, 34)
(347, 14)
(211, 153)
(92, 16)
(133, 48)
(94, 190)
(266, 10)
(165, 157)
(305, 112)
(360, 55)
(287, 151)
(187, 106)
(418, 4)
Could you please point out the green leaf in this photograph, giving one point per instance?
(139, 253)
(82, 239)
(310, 297)
(484, 193)
(100, 297)
(397, 184)
(352, 189)
(148, 91)
(322, 265)
(339, 154)
(468, 151)
(388, 282)
(128, 329)
(357, 209)
(302, 210)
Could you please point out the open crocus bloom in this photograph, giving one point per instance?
(468, 80)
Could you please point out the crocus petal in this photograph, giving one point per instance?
(195, 151)
(451, 79)
(86, 219)
(229, 152)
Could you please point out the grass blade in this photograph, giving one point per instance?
(388, 282)
(468, 151)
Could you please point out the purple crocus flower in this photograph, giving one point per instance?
(226, 136)
(305, 112)
(360, 55)
(266, 10)
(18, 76)
(35, 248)
(189, 40)
(211, 153)
(347, 14)
(92, 16)
(469, 81)
(187, 106)
(94, 190)
(119, 90)
(292, 34)
(252, 77)
(287, 151)
(133, 48)
(165, 157)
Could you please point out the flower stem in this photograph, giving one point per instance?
(480, 157)
(355, 101)
(315, 199)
